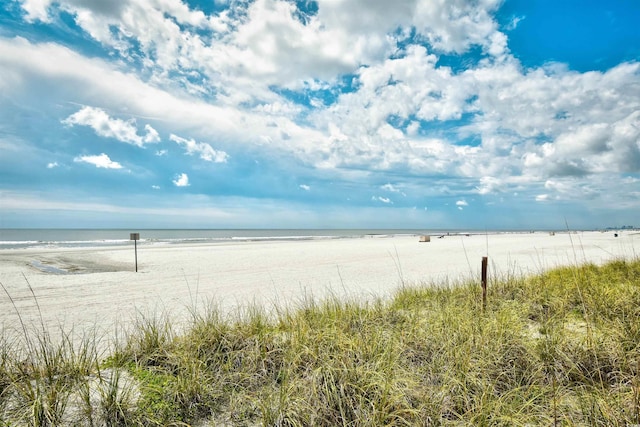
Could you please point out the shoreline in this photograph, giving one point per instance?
(102, 290)
(106, 238)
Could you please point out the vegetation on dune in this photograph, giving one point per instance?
(559, 348)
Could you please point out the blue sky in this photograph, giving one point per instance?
(481, 114)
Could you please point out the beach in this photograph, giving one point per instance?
(97, 289)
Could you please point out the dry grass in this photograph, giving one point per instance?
(560, 348)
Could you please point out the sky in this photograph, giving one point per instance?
(428, 114)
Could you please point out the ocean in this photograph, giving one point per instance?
(15, 238)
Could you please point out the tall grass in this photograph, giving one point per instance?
(558, 348)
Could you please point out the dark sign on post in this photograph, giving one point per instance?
(135, 237)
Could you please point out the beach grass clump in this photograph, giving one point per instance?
(39, 377)
(558, 348)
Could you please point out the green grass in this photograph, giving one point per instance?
(560, 348)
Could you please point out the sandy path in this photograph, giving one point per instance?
(105, 291)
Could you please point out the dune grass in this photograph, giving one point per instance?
(558, 348)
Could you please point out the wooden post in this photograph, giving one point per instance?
(484, 282)
(135, 237)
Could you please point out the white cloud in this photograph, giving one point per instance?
(382, 199)
(105, 126)
(451, 25)
(94, 81)
(513, 23)
(99, 161)
(305, 187)
(389, 187)
(393, 189)
(454, 25)
(240, 53)
(52, 165)
(505, 127)
(204, 150)
(152, 135)
(36, 10)
(181, 180)
(542, 197)
(489, 184)
(155, 187)
(460, 203)
(211, 77)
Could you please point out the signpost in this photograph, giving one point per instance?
(135, 237)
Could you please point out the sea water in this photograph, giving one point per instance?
(15, 238)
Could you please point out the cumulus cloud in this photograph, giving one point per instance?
(345, 88)
(181, 180)
(455, 25)
(107, 127)
(487, 185)
(94, 81)
(204, 150)
(270, 41)
(305, 187)
(99, 161)
(52, 165)
(36, 10)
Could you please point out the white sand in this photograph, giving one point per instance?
(106, 291)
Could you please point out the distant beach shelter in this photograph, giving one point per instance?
(425, 238)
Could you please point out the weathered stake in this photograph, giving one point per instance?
(484, 282)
